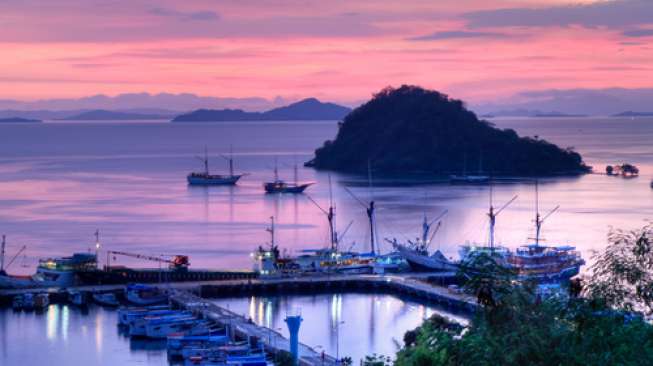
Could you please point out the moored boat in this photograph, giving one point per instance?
(77, 298)
(144, 295)
(41, 301)
(106, 299)
(280, 186)
(207, 179)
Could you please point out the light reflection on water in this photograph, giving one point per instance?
(356, 324)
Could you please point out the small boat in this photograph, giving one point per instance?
(77, 298)
(28, 301)
(125, 315)
(41, 301)
(144, 295)
(191, 326)
(280, 186)
(106, 299)
(469, 179)
(177, 342)
(138, 326)
(17, 302)
(206, 179)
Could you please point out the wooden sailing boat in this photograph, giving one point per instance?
(207, 179)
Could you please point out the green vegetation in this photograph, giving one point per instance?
(518, 327)
(413, 130)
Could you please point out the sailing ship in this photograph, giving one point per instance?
(206, 179)
(465, 178)
(280, 186)
(417, 254)
(532, 261)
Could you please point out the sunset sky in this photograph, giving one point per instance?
(478, 50)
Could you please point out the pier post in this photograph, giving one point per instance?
(293, 322)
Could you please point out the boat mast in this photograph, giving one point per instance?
(97, 245)
(2, 254)
(493, 215)
(539, 220)
(331, 216)
(370, 209)
(271, 231)
(276, 171)
(206, 160)
(231, 160)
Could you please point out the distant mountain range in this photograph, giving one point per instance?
(592, 102)
(634, 114)
(307, 109)
(18, 120)
(104, 115)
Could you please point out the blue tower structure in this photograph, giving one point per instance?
(293, 323)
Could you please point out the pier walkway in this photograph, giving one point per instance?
(243, 328)
(418, 285)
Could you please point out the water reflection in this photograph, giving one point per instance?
(352, 324)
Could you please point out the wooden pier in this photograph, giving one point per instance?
(242, 328)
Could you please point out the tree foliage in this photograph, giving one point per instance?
(622, 275)
(518, 327)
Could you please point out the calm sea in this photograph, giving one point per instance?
(60, 181)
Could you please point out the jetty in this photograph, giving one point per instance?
(431, 287)
(239, 327)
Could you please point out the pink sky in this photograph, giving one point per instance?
(336, 50)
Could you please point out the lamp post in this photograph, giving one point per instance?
(338, 340)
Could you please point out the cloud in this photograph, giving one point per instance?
(636, 33)
(203, 15)
(458, 35)
(611, 14)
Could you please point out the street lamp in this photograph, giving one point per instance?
(338, 340)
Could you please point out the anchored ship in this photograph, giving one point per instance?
(206, 179)
(280, 186)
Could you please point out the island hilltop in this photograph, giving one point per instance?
(414, 130)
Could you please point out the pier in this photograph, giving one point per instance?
(417, 285)
(242, 328)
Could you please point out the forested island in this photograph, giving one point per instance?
(413, 130)
(19, 120)
(309, 109)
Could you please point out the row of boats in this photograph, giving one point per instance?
(533, 261)
(205, 178)
(135, 294)
(189, 338)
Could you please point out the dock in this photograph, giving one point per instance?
(242, 328)
(417, 285)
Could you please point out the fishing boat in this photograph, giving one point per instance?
(177, 342)
(8, 281)
(190, 326)
(77, 298)
(207, 179)
(138, 326)
(144, 295)
(17, 302)
(126, 315)
(280, 186)
(62, 271)
(108, 299)
(28, 301)
(41, 301)
(417, 254)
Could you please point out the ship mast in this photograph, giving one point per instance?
(2, 254)
(271, 231)
(539, 220)
(369, 209)
(492, 215)
(206, 160)
(231, 160)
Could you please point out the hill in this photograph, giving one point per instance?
(413, 130)
(308, 109)
(18, 120)
(633, 114)
(104, 115)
